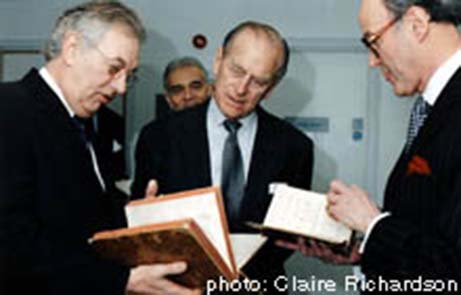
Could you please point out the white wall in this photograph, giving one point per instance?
(172, 24)
(21, 19)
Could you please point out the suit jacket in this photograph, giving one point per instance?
(423, 234)
(50, 199)
(110, 129)
(175, 151)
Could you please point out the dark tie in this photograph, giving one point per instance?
(419, 113)
(86, 128)
(232, 177)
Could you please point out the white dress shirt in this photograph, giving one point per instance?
(217, 135)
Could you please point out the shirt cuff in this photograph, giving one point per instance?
(370, 228)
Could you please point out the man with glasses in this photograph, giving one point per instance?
(185, 81)
(417, 233)
(232, 142)
(55, 192)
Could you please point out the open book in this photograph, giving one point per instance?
(299, 212)
(188, 226)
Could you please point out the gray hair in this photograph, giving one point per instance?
(270, 32)
(182, 62)
(448, 11)
(92, 20)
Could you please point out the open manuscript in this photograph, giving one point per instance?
(188, 226)
(299, 212)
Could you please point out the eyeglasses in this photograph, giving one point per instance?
(370, 39)
(259, 84)
(117, 66)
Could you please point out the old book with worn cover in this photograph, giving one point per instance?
(188, 226)
(296, 212)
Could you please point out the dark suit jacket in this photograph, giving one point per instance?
(175, 152)
(50, 199)
(423, 235)
(110, 129)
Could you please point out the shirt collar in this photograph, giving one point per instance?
(45, 74)
(440, 78)
(217, 117)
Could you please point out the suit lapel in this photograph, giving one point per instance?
(436, 120)
(57, 125)
(51, 108)
(260, 166)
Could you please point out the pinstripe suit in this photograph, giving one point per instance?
(423, 234)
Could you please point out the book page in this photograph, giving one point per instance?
(203, 208)
(303, 212)
(330, 230)
(245, 246)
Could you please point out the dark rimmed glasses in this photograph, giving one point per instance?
(370, 39)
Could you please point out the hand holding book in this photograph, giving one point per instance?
(152, 279)
(188, 226)
(295, 212)
(336, 254)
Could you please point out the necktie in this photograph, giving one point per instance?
(86, 128)
(232, 177)
(87, 135)
(419, 113)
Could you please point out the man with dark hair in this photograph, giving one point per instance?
(55, 192)
(186, 84)
(231, 141)
(417, 234)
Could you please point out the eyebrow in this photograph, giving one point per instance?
(120, 60)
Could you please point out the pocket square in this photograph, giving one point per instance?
(418, 165)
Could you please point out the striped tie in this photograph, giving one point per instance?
(419, 113)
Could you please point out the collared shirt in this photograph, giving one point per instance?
(434, 87)
(217, 135)
(54, 86)
(46, 76)
(440, 78)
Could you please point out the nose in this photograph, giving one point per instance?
(187, 93)
(243, 85)
(119, 84)
(373, 60)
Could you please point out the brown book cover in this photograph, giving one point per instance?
(180, 240)
(188, 226)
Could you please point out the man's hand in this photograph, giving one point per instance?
(151, 189)
(150, 280)
(351, 206)
(323, 251)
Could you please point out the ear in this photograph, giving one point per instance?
(268, 91)
(70, 48)
(419, 20)
(218, 59)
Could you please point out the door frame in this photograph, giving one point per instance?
(373, 96)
